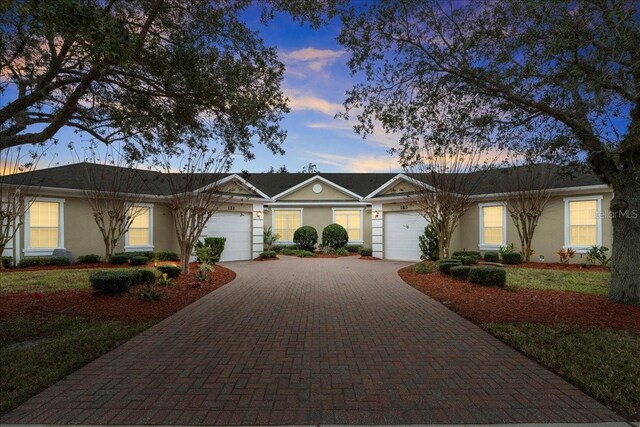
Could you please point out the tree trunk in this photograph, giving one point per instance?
(625, 251)
(185, 255)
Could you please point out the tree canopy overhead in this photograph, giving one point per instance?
(512, 70)
(152, 73)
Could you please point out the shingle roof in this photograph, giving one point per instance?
(75, 176)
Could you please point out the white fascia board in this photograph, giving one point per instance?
(236, 177)
(556, 191)
(396, 179)
(319, 178)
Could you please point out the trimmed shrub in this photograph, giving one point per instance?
(167, 256)
(279, 248)
(119, 282)
(38, 261)
(305, 238)
(268, 254)
(144, 276)
(334, 236)
(492, 256)
(119, 259)
(149, 254)
(366, 251)
(88, 259)
(353, 248)
(289, 251)
(466, 253)
(488, 276)
(512, 258)
(445, 265)
(139, 260)
(423, 268)
(170, 270)
(466, 259)
(7, 261)
(305, 254)
(460, 271)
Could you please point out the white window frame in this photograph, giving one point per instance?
(29, 251)
(273, 220)
(491, 246)
(352, 242)
(150, 246)
(567, 234)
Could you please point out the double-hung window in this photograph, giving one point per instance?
(493, 231)
(351, 220)
(140, 233)
(583, 222)
(44, 226)
(286, 222)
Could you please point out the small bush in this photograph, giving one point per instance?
(334, 236)
(170, 270)
(327, 250)
(149, 254)
(305, 254)
(7, 261)
(466, 259)
(268, 254)
(151, 295)
(466, 253)
(342, 252)
(488, 276)
(445, 265)
(423, 268)
(38, 261)
(460, 271)
(366, 251)
(289, 251)
(306, 238)
(210, 251)
(119, 259)
(512, 258)
(88, 259)
(354, 249)
(167, 256)
(492, 256)
(428, 243)
(139, 260)
(119, 282)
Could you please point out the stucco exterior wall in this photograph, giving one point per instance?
(327, 194)
(549, 235)
(319, 217)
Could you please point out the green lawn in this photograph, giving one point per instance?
(604, 362)
(44, 280)
(35, 353)
(592, 282)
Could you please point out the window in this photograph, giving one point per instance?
(44, 226)
(492, 226)
(286, 222)
(582, 222)
(351, 220)
(140, 234)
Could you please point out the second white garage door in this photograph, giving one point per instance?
(401, 231)
(236, 227)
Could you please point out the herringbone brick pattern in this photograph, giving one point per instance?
(312, 341)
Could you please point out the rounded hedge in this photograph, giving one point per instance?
(365, 251)
(268, 254)
(88, 259)
(512, 258)
(334, 236)
(139, 260)
(305, 238)
(488, 276)
(119, 259)
(492, 256)
(423, 268)
(466, 259)
(460, 271)
(445, 265)
(171, 271)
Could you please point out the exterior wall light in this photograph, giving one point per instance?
(376, 214)
(259, 214)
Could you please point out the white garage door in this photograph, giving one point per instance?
(401, 231)
(236, 227)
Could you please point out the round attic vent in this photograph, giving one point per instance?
(317, 188)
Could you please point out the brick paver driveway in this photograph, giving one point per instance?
(311, 341)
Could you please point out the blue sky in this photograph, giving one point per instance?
(315, 82)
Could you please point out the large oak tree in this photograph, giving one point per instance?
(151, 73)
(571, 68)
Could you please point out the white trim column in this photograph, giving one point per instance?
(377, 237)
(258, 230)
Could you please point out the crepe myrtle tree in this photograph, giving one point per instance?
(153, 74)
(15, 163)
(114, 191)
(194, 193)
(570, 67)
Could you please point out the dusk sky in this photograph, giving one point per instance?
(316, 79)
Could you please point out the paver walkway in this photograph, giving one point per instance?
(312, 341)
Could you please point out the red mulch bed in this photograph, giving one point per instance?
(72, 267)
(129, 307)
(370, 258)
(559, 266)
(494, 305)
